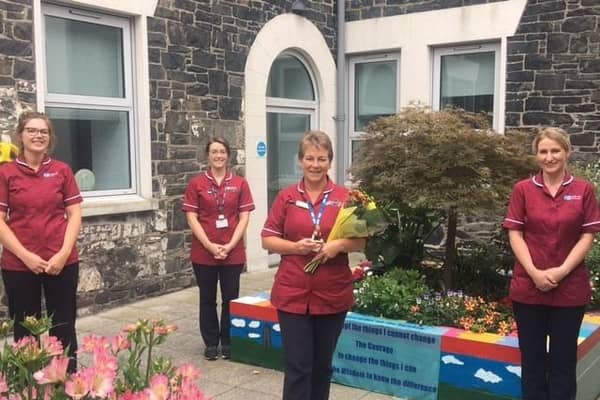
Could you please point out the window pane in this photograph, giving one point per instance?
(467, 81)
(83, 58)
(94, 140)
(374, 92)
(283, 135)
(290, 79)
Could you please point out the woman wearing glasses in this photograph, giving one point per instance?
(40, 218)
(217, 205)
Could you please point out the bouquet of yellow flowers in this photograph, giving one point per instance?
(360, 218)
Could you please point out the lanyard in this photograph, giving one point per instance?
(316, 219)
(221, 200)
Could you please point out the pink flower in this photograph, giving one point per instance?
(79, 385)
(3, 385)
(54, 372)
(159, 387)
(119, 343)
(91, 343)
(105, 362)
(130, 328)
(188, 372)
(101, 382)
(52, 345)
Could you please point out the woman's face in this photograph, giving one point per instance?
(551, 157)
(217, 156)
(315, 164)
(36, 136)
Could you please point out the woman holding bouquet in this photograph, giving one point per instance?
(311, 308)
(551, 220)
(40, 218)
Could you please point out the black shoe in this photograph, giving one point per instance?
(211, 353)
(226, 352)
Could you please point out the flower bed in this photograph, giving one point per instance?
(123, 367)
(409, 360)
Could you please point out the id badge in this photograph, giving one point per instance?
(221, 222)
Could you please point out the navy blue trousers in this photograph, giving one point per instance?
(24, 292)
(548, 343)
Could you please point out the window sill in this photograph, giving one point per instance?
(117, 205)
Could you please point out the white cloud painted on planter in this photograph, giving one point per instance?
(276, 328)
(514, 369)
(452, 360)
(238, 322)
(253, 335)
(254, 324)
(487, 376)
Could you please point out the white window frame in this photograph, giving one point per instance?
(132, 16)
(439, 52)
(356, 135)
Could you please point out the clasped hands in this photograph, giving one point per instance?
(38, 265)
(548, 279)
(219, 251)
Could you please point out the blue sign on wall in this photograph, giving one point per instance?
(395, 358)
(261, 149)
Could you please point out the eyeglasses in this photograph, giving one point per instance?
(34, 131)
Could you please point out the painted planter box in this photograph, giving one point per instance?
(408, 360)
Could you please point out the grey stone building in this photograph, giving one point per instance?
(135, 89)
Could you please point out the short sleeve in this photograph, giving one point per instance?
(591, 220)
(515, 215)
(3, 189)
(246, 202)
(71, 193)
(190, 198)
(276, 218)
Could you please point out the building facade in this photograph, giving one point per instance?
(136, 88)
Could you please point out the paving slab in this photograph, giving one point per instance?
(221, 379)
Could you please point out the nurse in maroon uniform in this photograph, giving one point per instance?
(217, 205)
(40, 218)
(311, 308)
(551, 220)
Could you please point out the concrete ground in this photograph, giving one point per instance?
(222, 379)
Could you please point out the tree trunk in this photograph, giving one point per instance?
(450, 258)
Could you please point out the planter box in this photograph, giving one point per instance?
(408, 360)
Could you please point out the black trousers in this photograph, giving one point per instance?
(308, 345)
(548, 373)
(24, 292)
(207, 277)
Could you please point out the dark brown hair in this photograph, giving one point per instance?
(220, 140)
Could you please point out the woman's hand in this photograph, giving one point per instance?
(330, 250)
(35, 263)
(307, 246)
(217, 250)
(543, 281)
(56, 263)
(556, 274)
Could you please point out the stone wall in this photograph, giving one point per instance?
(365, 9)
(17, 69)
(553, 71)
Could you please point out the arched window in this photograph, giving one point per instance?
(291, 111)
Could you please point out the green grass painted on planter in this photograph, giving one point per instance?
(447, 392)
(249, 352)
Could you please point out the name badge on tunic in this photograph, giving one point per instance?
(221, 222)
(301, 204)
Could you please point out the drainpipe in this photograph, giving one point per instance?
(340, 116)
